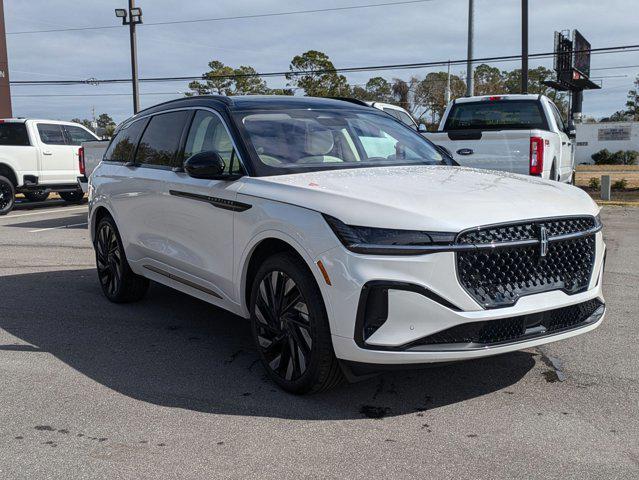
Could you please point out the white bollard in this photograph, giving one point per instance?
(605, 187)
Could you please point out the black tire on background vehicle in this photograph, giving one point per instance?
(553, 172)
(7, 195)
(38, 196)
(118, 282)
(573, 180)
(75, 196)
(290, 327)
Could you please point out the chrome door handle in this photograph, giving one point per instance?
(46, 152)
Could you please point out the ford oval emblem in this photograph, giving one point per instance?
(465, 151)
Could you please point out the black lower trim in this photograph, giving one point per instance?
(69, 187)
(215, 201)
(364, 314)
(181, 280)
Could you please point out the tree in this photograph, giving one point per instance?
(401, 93)
(632, 104)
(225, 80)
(105, 121)
(488, 80)
(430, 93)
(314, 73)
(377, 89)
(618, 116)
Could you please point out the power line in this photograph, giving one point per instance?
(235, 17)
(401, 66)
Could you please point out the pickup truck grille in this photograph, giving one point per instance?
(513, 266)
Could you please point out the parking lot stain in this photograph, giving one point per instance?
(374, 412)
(472, 435)
(45, 428)
(233, 356)
(18, 437)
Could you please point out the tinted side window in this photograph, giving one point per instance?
(14, 134)
(77, 135)
(123, 145)
(51, 134)
(560, 121)
(161, 139)
(208, 132)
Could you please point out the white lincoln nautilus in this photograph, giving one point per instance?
(347, 239)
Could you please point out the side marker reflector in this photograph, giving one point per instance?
(327, 279)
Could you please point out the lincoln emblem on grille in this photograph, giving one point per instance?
(543, 239)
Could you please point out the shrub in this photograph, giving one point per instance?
(622, 157)
(620, 184)
(594, 183)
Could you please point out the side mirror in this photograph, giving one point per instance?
(571, 132)
(422, 128)
(208, 165)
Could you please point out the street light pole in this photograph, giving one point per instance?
(470, 87)
(524, 46)
(131, 18)
(134, 59)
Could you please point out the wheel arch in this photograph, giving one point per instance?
(264, 246)
(8, 172)
(96, 215)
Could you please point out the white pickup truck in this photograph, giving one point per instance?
(38, 157)
(515, 133)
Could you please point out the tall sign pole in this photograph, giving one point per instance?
(524, 46)
(134, 59)
(470, 87)
(5, 88)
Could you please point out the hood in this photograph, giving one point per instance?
(447, 199)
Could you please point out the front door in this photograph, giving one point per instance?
(199, 213)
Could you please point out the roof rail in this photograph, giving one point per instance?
(355, 101)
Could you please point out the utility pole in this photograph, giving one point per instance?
(448, 86)
(132, 18)
(5, 89)
(524, 46)
(470, 87)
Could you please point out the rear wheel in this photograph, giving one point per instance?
(7, 195)
(553, 173)
(75, 196)
(118, 282)
(38, 196)
(290, 327)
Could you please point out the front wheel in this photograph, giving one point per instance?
(290, 327)
(7, 195)
(75, 196)
(118, 282)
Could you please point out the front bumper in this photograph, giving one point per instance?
(411, 315)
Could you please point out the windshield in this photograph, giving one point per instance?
(289, 141)
(496, 115)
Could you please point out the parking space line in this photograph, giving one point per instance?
(44, 212)
(58, 228)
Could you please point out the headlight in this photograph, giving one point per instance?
(385, 241)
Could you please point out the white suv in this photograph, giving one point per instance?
(343, 235)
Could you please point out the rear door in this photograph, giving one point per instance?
(58, 163)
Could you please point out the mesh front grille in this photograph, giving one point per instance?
(526, 231)
(498, 277)
(515, 328)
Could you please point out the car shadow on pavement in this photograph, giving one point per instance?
(76, 220)
(176, 351)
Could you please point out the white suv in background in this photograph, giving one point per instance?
(344, 236)
(40, 156)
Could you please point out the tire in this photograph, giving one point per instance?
(118, 282)
(7, 195)
(553, 173)
(40, 196)
(290, 327)
(75, 196)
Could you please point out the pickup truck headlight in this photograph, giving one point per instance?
(387, 241)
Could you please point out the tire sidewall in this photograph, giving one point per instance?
(109, 221)
(12, 201)
(317, 314)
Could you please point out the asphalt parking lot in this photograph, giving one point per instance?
(171, 388)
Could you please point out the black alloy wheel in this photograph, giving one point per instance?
(109, 259)
(119, 283)
(74, 196)
(7, 196)
(37, 196)
(284, 331)
(290, 326)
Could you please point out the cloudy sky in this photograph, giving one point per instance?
(429, 31)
